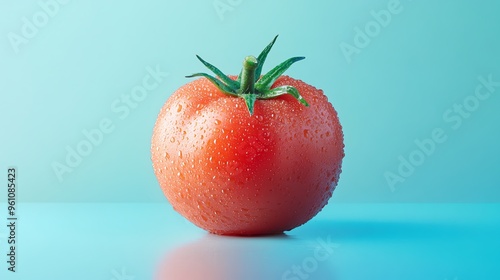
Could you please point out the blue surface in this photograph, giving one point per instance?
(415, 84)
(399, 87)
(353, 241)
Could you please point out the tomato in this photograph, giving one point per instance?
(247, 166)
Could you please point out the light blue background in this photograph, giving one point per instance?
(66, 78)
(394, 91)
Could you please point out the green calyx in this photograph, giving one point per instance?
(250, 85)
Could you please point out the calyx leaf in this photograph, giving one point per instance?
(249, 84)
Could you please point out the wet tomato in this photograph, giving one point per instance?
(248, 155)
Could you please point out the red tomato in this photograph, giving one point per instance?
(234, 173)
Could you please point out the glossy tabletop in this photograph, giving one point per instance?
(347, 241)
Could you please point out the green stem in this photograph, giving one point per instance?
(250, 85)
(248, 75)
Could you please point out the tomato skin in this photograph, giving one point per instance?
(233, 173)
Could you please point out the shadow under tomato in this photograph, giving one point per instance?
(221, 257)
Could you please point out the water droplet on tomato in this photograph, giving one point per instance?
(306, 133)
(179, 108)
(172, 140)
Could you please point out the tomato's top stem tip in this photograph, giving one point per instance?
(250, 62)
(247, 80)
(250, 85)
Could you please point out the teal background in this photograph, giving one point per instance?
(89, 54)
(108, 219)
